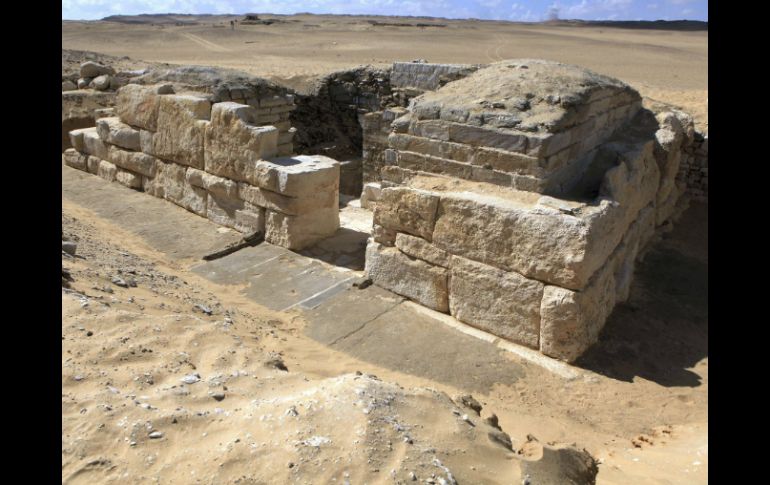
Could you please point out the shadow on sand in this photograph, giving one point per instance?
(661, 332)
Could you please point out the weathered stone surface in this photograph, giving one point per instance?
(146, 141)
(294, 206)
(570, 321)
(92, 69)
(195, 177)
(68, 86)
(407, 210)
(194, 199)
(234, 143)
(298, 232)
(129, 179)
(93, 145)
(75, 159)
(170, 181)
(115, 132)
(134, 161)
(503, 303)
(220, 186)
(138, 105)
(426, 76)
(412, 278)
(296, 176)
(102, 83)
(250, 219)
(370, 195)
(386, 237)
(421, 249)
(541, 244)
(93, 164)
(222, 210)
(181, 127)
(107, 170)
(76, 139)
(83, 82)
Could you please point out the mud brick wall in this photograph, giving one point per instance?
(216, 160)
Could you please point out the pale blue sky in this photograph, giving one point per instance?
(518, 10)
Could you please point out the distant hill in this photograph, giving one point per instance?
(692, 25)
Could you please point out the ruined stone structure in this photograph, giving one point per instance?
(220, 160)
(518, 198)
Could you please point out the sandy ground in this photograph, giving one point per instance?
(640, 408)
(667, 66)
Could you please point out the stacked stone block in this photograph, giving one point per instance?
(482, 223)
(214, 160)
(270, 110)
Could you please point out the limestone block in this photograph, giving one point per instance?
(250, 219)
(427, 146)
(138, 105)
(407, 210)
(412, 278)
(298, 232)
(370, 195)
(129, 179)
(181, 126)
(570, 321)
(93, 145)
(505, 161)
(146, 141)
(134, 161)
(93, 164)
(428, 163)
(296, 176)
(151, 186)
(294, 206)
(422, 249)
(195, 177)
(75, 159)
(540, 243)
(76, 139)
(107, 170)
(285, 149)
(503, 303)
(234, 144)
(386, 237)
(170, 180)
(194, 199)
(220, 186)
(222, 210)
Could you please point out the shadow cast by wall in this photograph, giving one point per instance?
(661, 332)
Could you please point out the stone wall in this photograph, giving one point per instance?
(456, 230)
(216, 159)
(695, 168)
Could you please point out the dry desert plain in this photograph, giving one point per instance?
(639, 405)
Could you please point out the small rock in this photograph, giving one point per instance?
(218, 396)
(202, 308)
(69, 247)
(92, 69)
(83, 82)
(493, 421)
(89, 333)
(191, 378)
(277, 363)
(102, 83)
(468, 401)
(68, 86)
(412, 476)
(118, 281)
(156, 435)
